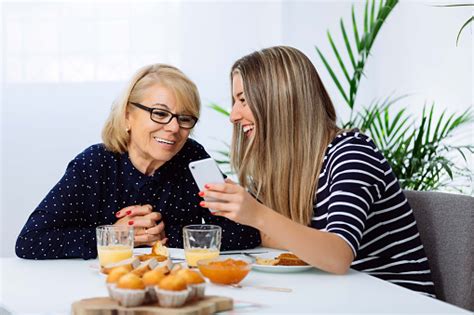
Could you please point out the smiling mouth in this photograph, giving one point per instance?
(247, 128)
(161, 140)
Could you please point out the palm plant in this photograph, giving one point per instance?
(469, 21)
(418, 153)
(224, 160)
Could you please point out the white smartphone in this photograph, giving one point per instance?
(206, 172)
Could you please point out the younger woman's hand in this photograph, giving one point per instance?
(145, 223)
(233, 202)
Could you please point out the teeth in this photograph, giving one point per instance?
(248, 128)
(164, 141)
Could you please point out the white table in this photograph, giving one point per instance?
(51, 286)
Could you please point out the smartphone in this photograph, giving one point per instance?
(206, 172)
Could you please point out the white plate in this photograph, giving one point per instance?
(277, 269)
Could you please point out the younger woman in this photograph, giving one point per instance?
(325, 194)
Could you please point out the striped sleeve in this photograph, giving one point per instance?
(355, 171)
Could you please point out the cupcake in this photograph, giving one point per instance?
(194, 281)
(172, 291)
(150, 280)
(130, 290)
(112, 278)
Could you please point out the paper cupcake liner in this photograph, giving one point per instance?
(128, 297)
(197, 291)
(111, 289)
(168, 298)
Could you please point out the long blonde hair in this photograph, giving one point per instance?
(295, 120)
(114, 134)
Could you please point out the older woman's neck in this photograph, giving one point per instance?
(145, 164)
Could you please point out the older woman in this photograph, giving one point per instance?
(139, 176)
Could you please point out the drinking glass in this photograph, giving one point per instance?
(114, 243)
(201, 241)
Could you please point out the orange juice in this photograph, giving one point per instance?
(113, 253)
(194, 254)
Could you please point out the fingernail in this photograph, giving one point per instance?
(117, 214)
(201, 193)
(207, 186)
(202, 203)
(130, 222)
(128, 212)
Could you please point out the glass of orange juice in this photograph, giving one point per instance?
(114, 243)
(201, 241)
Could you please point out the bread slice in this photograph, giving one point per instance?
(267, 262)
(130, 263)
(160, 249)
(289, 259)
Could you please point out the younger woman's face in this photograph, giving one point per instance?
(241, 113)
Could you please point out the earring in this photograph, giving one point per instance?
(127, 130)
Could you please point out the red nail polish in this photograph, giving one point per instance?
(207, 186)
(130, 222)
(202, 203)
(201, 193)
(128, 212)
(117, 214)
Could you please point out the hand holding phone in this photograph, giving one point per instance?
(205, 172)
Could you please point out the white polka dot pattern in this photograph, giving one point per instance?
(98, 183)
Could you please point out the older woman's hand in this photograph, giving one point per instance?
(145, 222)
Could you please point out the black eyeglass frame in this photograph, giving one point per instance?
(151, 110)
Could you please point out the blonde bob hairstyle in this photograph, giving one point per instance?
(114, 134)
(295, 121)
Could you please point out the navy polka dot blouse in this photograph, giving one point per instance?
(98, 183)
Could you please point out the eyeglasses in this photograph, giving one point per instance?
(164, 117)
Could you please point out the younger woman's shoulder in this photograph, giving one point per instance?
(354, 144)
(351, 140)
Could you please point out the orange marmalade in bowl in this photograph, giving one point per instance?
(224, 270)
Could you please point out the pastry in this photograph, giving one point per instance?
(268, 262)
(160, 249)
(195, 282)
(130, 290)
(130, 263)
(172, 291)
(144, 267)
(289, 259)
(153, 277)
(150, 279)
(130, 281)
(190, 276)
(117, 272)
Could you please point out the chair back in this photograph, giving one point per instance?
(446, 225)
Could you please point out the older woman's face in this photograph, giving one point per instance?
(153, 142)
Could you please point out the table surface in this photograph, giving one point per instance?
(51, 286)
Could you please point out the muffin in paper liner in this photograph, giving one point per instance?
(197, 291)
(168, 298)
(128, 297)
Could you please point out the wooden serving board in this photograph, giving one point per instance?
(108, 306)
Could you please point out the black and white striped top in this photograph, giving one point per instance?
(359, 199)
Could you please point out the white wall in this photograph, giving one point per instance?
(64, 63)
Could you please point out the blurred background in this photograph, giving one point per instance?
(64, 62)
